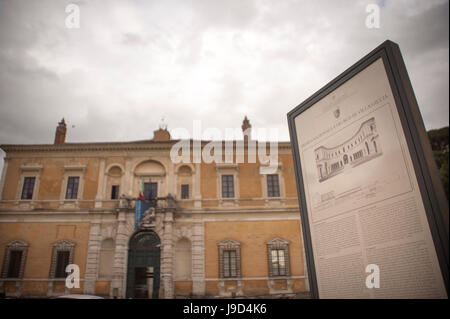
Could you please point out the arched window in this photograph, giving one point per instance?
(183, 259)
(113, 181)
(145, 240)
(152, 174)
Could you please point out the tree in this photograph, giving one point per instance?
(439, 144)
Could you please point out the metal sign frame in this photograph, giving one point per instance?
(430, 186)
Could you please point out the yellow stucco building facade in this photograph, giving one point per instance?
(208, 229)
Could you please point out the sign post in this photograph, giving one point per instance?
(374, 214)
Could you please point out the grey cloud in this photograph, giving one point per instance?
(133, 62)
(132, 39)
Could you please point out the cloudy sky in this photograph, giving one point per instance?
(132, 63)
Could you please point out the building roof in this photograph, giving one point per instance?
(108, 146)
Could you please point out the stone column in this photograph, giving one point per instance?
(171, 180)
(92, 257)
(121, 256)
(198, 260)
(167, 256)
(128, 184)
(100, 183)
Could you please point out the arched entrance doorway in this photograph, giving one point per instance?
(143, 256)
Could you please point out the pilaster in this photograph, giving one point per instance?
(118, 286)
(92, 257)
(198, 260)
(100, 183)
(167, 257)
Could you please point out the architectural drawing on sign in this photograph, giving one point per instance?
(361, 147)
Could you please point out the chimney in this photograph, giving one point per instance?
(60, 135)
(246, 129)
(161, 135)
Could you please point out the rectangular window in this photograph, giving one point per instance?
(115, 192)
(62, 260)
(273, 186)
(278, 261)
(15, 259)
(227, 186)
(72, 187)
(150, 190)
(185, 191)
(229, 263)
(28, 187)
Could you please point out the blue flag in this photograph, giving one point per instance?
(139, 209)
(150, 193)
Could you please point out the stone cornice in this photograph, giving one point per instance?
(88, 147)
(104, 146)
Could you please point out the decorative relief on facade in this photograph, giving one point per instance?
(148, 220)
(183, 232)
(109, 232)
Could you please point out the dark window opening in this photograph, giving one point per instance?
(150, 190)
(15, 260)
(229, 263)
(273, 186)
(28, 187)
(72, 187)
(185, 191)
(227, 186)
(115, 192)
(62, 260)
